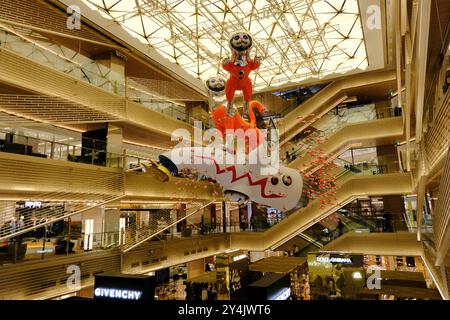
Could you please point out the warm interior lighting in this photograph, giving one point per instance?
(148, 202)
(231, 250)
(350, 99)
(24, 188)
(145, 145)
(239, 257)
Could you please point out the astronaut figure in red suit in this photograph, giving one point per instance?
(239, 68)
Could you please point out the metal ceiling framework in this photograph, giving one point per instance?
(298, 39)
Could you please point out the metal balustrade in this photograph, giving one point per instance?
(61, 58)
(441, 216)
(143, 91)
(434, 148)
(30, 75)
(62, 151)
(437, 139)
(350, 116)
(75, 153)
(53, 193)
(341, 176)
(135, 234)
(24, 109)
(77, 66)
(317, 235)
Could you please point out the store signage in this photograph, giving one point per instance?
(33, 204)
(117, 286)
(334, 260)
(118, 293)
(283, 295)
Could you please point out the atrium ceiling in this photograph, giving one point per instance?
(298, 40)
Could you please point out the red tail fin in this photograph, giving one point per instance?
(255, 104)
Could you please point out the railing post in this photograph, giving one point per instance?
(43, 243)
(52, 150)
(15, 251)
(26, 148)
(69, 220)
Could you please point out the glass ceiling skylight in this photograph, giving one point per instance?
(298, 39)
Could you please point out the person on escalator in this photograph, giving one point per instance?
(340, 227)
(288, 157)
(293, 156)
(296, 251)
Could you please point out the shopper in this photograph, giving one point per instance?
(12, 225)
(12, 229)
(288, 157)
(296, 251)
(252, 223)
(340, 284)
(293, 156)
(20, 223)
(387, 222)
(340, 227)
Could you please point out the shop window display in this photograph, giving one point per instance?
(300, 287)
(332, 276)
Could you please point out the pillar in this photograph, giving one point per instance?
(111, 222)
(91, 226)
(114, 146)
(387, 158)
(395, 206)
(114, 61)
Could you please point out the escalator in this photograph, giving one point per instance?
(298, 96)
(363, 134)
(329, 97)
(149, 255)
(161, 221)
(54, 192)
(401, 243)
(363, 222)
(351, 187)
(330, 229)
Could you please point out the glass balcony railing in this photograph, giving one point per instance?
(262, 223)
(45, 243)
(82, 68)
(336, 121)
(299, 95)
(359, 168)
(338, 224)
(63, 59)
(322, 234)
(97, 155)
